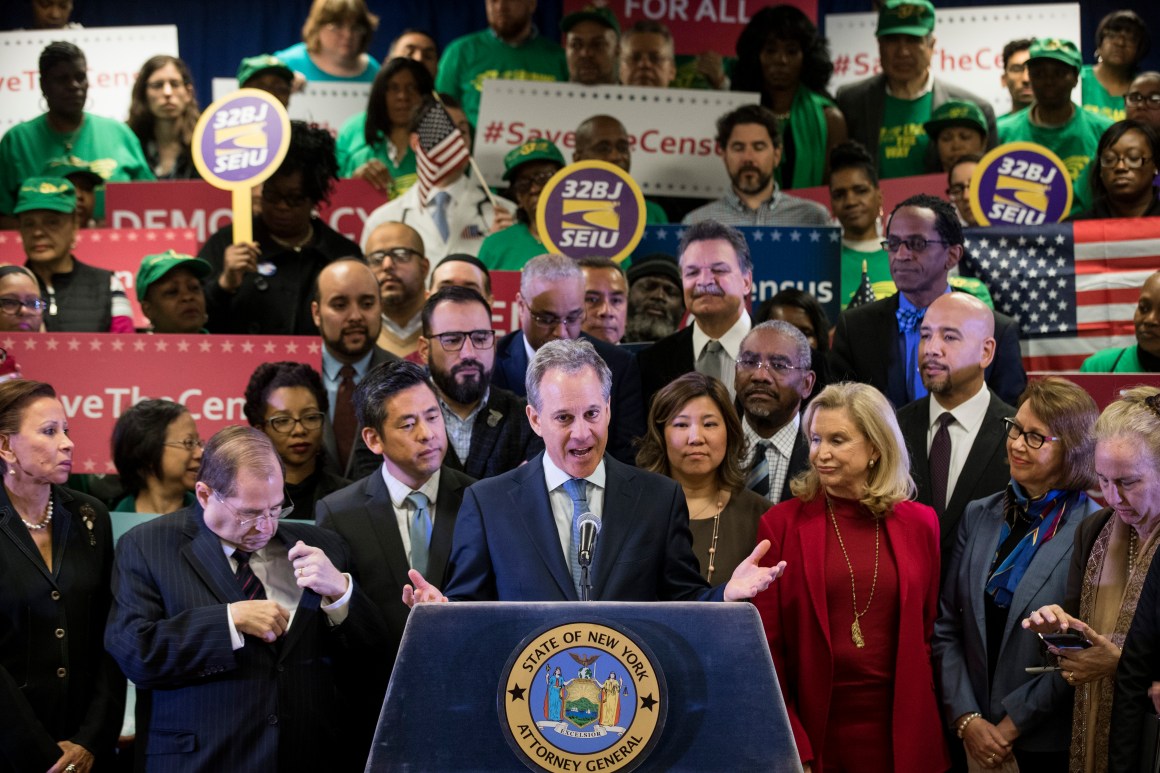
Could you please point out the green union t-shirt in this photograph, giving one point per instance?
(1096, 98)
(902, 141)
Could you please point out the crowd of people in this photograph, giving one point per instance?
(914, 519)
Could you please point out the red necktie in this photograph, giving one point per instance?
(345, 425)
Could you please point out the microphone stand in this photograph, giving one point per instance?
(585, 584)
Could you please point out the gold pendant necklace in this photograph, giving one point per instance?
(713, 543)
(855, 627)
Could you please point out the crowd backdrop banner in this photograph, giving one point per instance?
(97, 376)
(119, 250)
(114, 55)
(328, 105)
(968, 47)
(198, 205)
(672, 131)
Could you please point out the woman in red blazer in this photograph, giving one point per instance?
(849, 629)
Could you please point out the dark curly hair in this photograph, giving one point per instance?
(311, 152)
(782, 22)
(139, 441)
(274, 375)
(141, 119)
(378, 123)
(946, 217)
(56, 52)
(851, 154)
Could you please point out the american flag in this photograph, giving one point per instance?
(1072, 287)
(441, 149)
(865, 292)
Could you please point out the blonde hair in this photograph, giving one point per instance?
(324, 12)
(888, 482)
(1136, 415)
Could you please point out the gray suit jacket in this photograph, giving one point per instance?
(864, 105)
(1039, 704)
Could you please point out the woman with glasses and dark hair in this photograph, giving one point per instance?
(375, 145)
(21, 307)
(264, 287)
(157, 453)
(1122, 183)
(1109, 563)
(163, 113)
(288, 402)
(1122, 42)
(335, 40)
(781, 55)
(695, 437)
(1011, 556)
(62, 696)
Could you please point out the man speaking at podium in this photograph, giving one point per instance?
(517, 535)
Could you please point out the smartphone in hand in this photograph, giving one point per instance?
(1066, 641)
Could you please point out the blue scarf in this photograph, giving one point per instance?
(1045, 515)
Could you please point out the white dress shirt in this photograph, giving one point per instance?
(963, 431)
(404, 510)
(561, 502)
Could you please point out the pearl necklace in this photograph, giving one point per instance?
(45, 521)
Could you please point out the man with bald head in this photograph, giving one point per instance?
(955, 434)
(396, 254)
(348, 310)
(604, 138)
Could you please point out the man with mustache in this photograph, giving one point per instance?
(717, 273)
(750, 144)
(348, 311)
(396, 254)
(655, 299)
(956, 437)
(487, 427)
(773, 377)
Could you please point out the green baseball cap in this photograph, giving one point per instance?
(532, 150)
(153, 267)
(253, 65)
(1058, 49)
(69, 166)
(955, 113)
(600, 15)
(906, 17)
(52, 193)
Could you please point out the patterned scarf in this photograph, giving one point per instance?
(1044, 514)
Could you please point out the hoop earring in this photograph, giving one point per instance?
(42, 103)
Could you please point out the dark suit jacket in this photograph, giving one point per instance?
(799, 460)
(362, 460)
(262, 707)
(628, 411)
(864, 105)
(507, 548)
(501, 437)
(985, 471)
(39, 707)
(667, 359)
(1132, 709)
(868, 348)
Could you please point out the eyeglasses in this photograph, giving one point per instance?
(401, 255)
(957, 191)
(1111, 160)
(1032, 439)
(188, 444)
(453, 341)
(778, 366)
(12, 306)
(275, 513)
(284, 425)
(1136, 99)
(913, 243)
(551, 321)
(525, 184)
(291, 200)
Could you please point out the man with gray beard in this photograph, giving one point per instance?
(487, 427)
(717, 276)
(655, 301)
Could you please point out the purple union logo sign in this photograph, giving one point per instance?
(1020, 183)
(591, 209)
(242, 139)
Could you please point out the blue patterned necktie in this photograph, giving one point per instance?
(577, 490)
(909, 319)
(420, 529)
(758, 479)
(440, 217)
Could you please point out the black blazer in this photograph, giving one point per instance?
(985, 472)
(1132, 709)
(799, 460)
(40, 707)
(262, 707)
(507, 548)
(864, 105)
(362, 460)
(501, 437)
(667, 359)
(867, 348)
(628, 410)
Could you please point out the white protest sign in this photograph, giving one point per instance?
(673, 131)
(114, 55)
(329, 105)
(968, 50)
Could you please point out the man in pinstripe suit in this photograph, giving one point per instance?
(232, 622)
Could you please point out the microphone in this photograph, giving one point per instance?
(589, 528)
